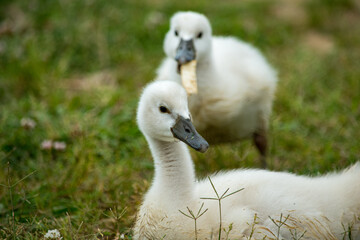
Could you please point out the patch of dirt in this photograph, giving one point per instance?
(93, 81)
(154, 19)
(319, 43)
(16, 21)
(291, 11)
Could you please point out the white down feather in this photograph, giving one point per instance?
(321, 207)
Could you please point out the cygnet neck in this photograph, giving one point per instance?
(174, 170)
(206, 70)
(205, 61)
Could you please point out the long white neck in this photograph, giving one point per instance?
(206, 72)
(206, 62)
(174, 170)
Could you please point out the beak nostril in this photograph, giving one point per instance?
(187, 130)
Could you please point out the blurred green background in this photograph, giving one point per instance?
(71, 72)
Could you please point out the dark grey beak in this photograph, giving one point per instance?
(185, 131)
(185, 52)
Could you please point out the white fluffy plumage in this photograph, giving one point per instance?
(236, 84)
(322, 207)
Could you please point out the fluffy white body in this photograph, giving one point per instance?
(236, 84)
(323, 207)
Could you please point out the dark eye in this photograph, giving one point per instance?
(176, 33)
(200, 35)
(164, 109)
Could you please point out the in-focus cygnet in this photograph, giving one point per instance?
(325, 207)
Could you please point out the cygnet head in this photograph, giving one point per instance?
(163, 115)
(189, 37)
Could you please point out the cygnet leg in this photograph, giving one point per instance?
(260, 141)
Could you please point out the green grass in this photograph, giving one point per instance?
(78, 67)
